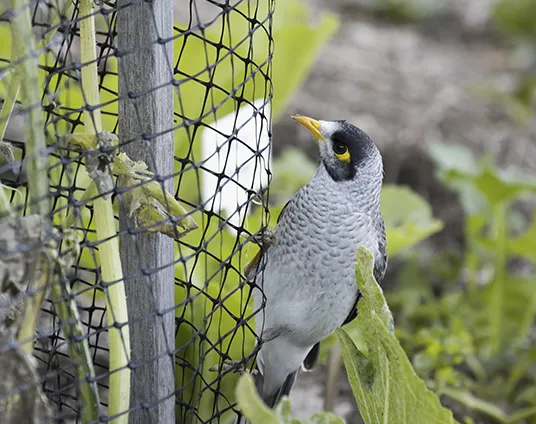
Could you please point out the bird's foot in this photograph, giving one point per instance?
(265, 237)
(237, 367)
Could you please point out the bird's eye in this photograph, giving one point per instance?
(340, 148)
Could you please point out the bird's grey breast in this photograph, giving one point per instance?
(309, 281)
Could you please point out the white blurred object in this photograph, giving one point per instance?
(243, 160)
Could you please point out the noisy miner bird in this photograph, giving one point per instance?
(308, 287)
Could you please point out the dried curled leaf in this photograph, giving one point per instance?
(15, 232)
(19, 369)
(6, 153)
(99, 163)
(148, 204)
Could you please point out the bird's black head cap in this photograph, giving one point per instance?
(359, 147)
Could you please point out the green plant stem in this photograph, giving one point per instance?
(332, 378)
(472, 402)
(471, 262)
(110, 261)
(12, 92)
(38, 274)
(521, 369)
(522, 415)
(90, 81)
(79, 352)
(36, 162)
(497, 296)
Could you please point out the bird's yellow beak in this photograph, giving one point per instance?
(311, 124)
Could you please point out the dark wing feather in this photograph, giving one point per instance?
(312, 358)
(282, 210)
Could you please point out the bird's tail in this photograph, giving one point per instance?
(271, 400)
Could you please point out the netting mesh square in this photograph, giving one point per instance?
(134, 163)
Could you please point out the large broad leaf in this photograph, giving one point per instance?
(408, 218)
(384, 383)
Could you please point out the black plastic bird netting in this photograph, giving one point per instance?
(134, 163)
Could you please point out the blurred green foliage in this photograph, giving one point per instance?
(407, 11)
(408, 218)
(515, 17)
(515, 21)
(466, 318)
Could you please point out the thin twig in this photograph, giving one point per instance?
(332, 378)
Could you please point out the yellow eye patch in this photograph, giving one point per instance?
(341, 152)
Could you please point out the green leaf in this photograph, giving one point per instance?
(452, 157)
(499, 187)
(408, 218)
(251, 404)
(459, 169)
(384, 383)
